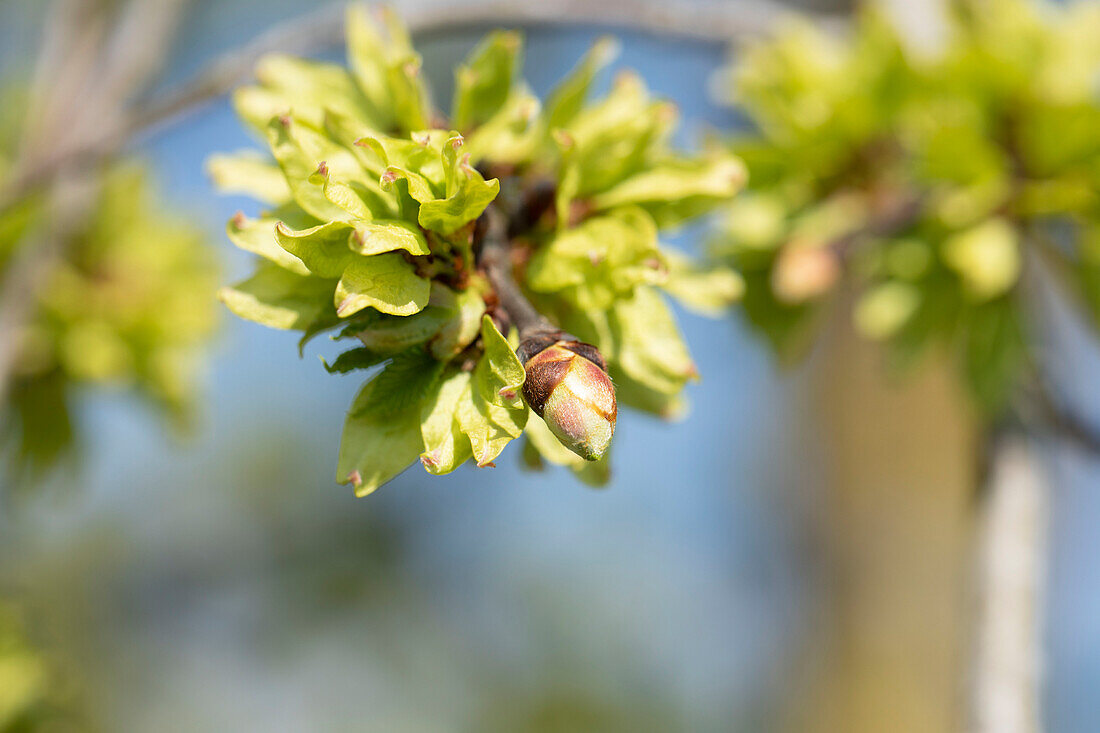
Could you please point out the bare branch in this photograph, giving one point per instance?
(496, 260)
(1043, 412)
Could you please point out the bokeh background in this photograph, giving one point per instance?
(227, 583)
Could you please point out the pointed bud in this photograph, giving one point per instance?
(567, 386)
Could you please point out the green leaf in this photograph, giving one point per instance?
(323, 249)
(567, 99)
(709, 290)
(310, 87)
(39, 424)
(248, 172)
(382, 431)
(326, 249)
(387, 70)
(484, 81)
(620, 136)
(499, 374)
(649, 347)
(312, 163)
(258, 107)
(986, 257)
(404, 382)
(994, 353)
(258, 236)
(361, 358)
(599, 261)
(464, 325)
(446, 447)
(488, 426)
(390, 334)
(378, 236)
(493, 412)
(678, 189)
(512, 135)
(280, 299)
(885, 309)
(466, 197)
(386, 282)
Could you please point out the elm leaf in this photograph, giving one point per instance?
(378, 236)
(708, 290)
(567, 99)
(499, 374)
(390, 334)
(484, 81)
(678, 189)
(248, 172)
(649, 347)
(323, 249)
(279, 299)
(361, 358)
(446, 447)
(382, 431)
(386, 282)
(309, 87)
(258, 236)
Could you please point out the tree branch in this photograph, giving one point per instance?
(1043, 412)
(495, 259)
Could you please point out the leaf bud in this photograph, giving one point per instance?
(567, 385)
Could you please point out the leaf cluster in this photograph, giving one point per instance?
(373, 235)
(922, 178)
(125, 306)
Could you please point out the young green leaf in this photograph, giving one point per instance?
(382, 431)
(390, 334)
(446, 447)
(278, 298)
(484, 81)
(247, 172)
(258, 236)
(387, 282)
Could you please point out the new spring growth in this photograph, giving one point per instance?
(567, 385)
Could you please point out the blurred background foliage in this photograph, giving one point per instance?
(226, 584)
(916, 187)
(128, 307)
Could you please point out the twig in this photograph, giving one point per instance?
(1043, 412)
(496, 261)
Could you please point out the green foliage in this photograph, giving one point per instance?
(127, 305)
(373, 233)
(40, 689)
(922, 180)
(24, 675)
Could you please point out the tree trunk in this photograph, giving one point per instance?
(893, 539)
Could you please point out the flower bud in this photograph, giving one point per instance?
(567, 386)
